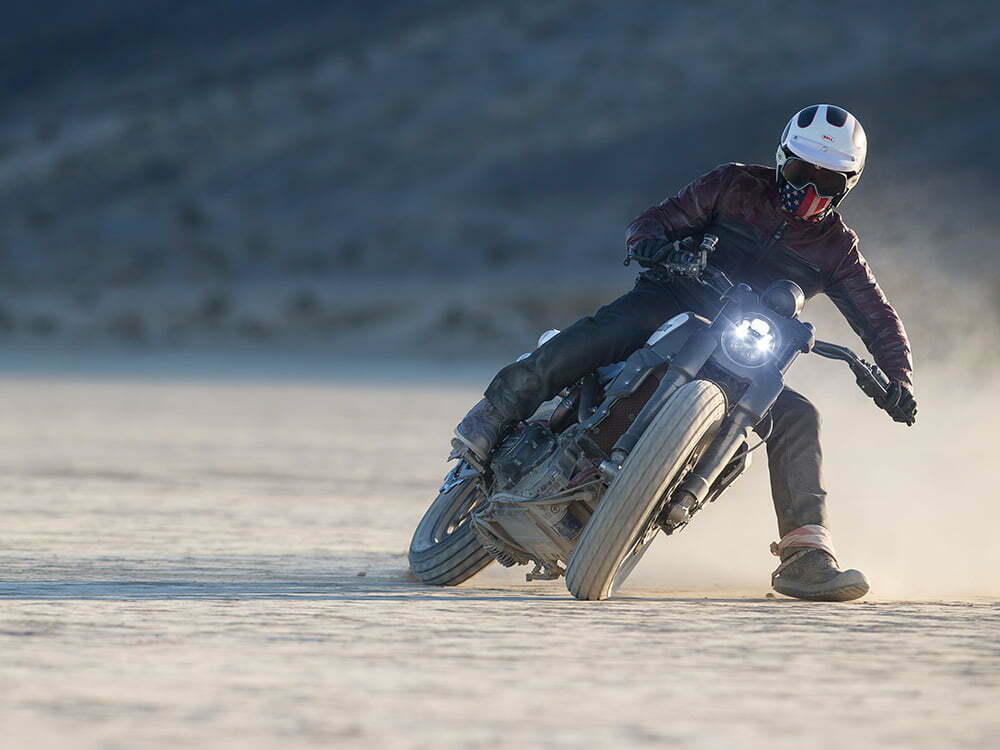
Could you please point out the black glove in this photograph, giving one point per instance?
(899, 403)
(649, 252)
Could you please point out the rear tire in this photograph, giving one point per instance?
(444, 550)
(683, 426)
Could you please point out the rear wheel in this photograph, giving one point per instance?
(623, 524)
(444, 550)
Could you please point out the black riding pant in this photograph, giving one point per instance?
(615, 331)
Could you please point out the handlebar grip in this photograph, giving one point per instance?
(875, 373)
(870, 379)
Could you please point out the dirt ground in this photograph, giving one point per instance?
(207, 562)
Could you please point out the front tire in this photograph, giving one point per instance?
(676, 436)
(444, 550)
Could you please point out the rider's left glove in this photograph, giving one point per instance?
(650, 252)
(899, 403)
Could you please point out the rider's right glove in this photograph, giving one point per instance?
(650, 252)
(899, 403)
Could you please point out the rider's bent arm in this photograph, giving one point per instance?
(856, 293)
(684, 214)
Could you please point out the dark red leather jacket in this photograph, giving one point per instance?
(759, 243)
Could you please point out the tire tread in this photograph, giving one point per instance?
(683, 422)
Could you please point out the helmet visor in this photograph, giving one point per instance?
(828, 183)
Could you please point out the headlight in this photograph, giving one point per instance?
(751, 343)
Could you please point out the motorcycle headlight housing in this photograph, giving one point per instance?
(751, 342)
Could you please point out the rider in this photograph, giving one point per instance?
(772, 224)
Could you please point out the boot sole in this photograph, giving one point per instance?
(854, 588)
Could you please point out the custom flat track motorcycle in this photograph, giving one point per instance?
(582, 488)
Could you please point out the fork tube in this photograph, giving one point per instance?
(720, 452)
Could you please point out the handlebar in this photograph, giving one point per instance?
(870, 378)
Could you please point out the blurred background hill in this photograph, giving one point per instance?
(441, 177)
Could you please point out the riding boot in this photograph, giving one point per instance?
(809, 569)
(480, 430)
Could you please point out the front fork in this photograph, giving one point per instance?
(692, 493)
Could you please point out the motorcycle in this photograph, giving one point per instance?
(582, 488)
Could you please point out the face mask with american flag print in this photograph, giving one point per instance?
(804, 202)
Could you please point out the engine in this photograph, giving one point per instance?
(539, 480)
(521, 452)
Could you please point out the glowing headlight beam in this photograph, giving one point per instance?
(750, 342)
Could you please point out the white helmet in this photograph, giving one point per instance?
(826, 137)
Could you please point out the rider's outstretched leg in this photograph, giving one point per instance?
(808, 567)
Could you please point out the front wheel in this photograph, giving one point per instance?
(620, 529)
(445, 550)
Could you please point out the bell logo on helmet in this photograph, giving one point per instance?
(827, 138)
